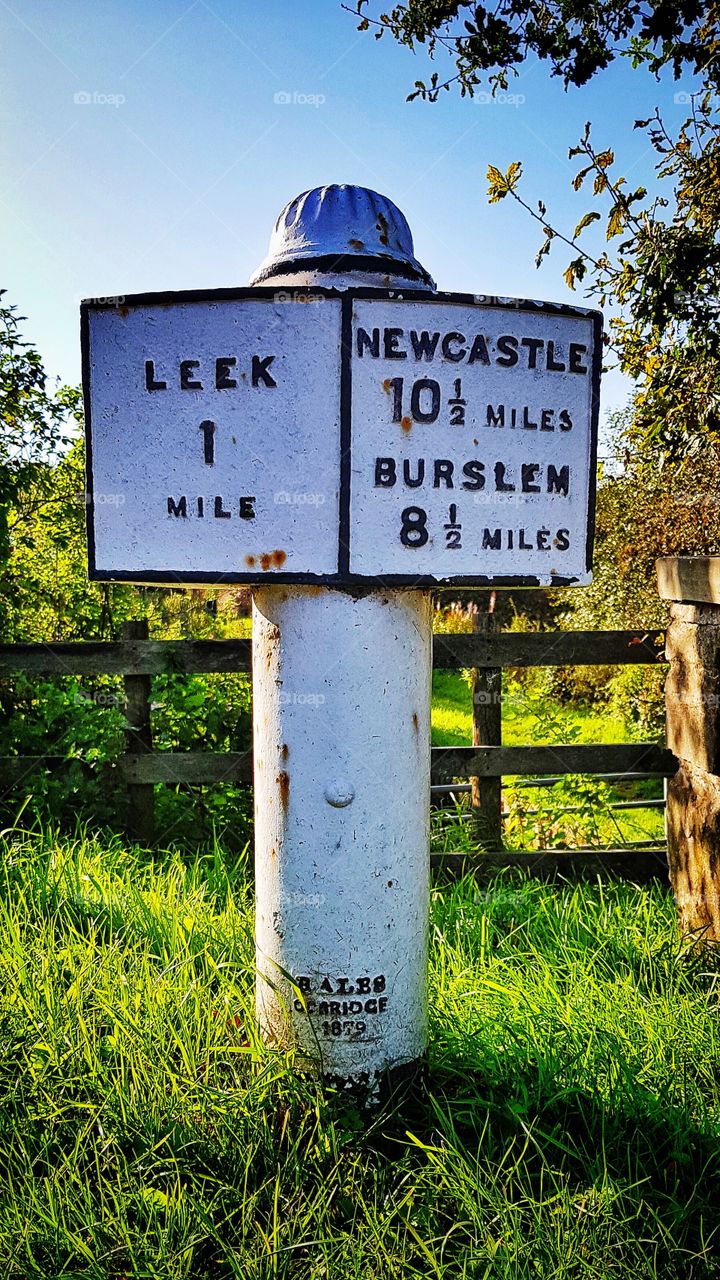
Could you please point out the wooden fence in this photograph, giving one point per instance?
(486, 653)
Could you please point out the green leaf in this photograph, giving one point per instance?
(585, 221)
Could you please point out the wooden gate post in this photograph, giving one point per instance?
(692, 699)
(486, 793)
(138, 740)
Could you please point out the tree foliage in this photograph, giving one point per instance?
(644, 512)
(652, 261)
(577, 38)
(660, 271)
(34, 425)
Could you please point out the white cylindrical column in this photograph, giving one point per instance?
(341, 724)
(341, 689)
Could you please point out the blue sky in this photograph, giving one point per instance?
(171, 175)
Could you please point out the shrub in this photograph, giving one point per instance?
(637, 695)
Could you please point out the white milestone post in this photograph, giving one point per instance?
(342, 693)
(342, 804)
(344, 438)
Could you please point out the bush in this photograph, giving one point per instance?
(637, 695)
(83, 720)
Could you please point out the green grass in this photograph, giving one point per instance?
(522, 725)
(571, 1126)
(452, 721)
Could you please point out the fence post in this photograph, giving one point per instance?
(692, 700)
(138, 740)
(486, 793)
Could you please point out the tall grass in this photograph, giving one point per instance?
(570, 1125)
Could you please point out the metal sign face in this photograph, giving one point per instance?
(362, 437)
(473, 443)
(213, 447)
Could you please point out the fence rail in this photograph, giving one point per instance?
(131, 657)
(548, 649)
(142, 657)
(486, 653)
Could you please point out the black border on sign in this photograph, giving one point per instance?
(345, 438)
(343, 578)
(597, 319)
(88, 495)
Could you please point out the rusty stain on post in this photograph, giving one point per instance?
(283, 780)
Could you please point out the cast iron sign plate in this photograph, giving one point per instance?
(307, 435)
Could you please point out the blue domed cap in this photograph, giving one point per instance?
(340, 228)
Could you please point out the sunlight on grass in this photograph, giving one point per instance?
(452, 718)
(555, 824)
(570, 1127)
